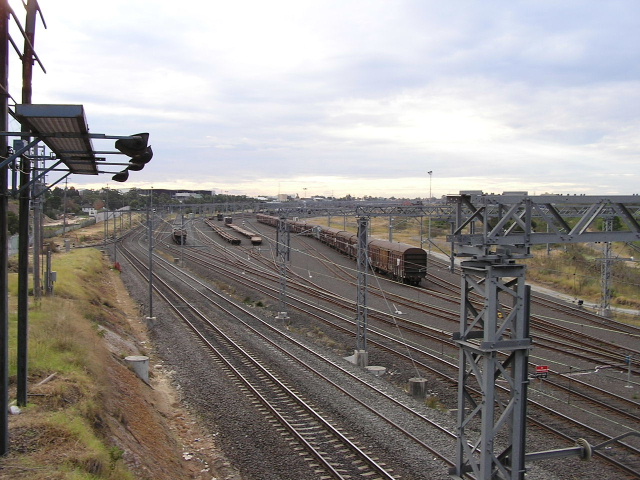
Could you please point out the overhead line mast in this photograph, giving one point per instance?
(493, 232)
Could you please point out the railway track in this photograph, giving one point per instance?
(263, 269)
(330, 453)
(329, 449)
(608, 403)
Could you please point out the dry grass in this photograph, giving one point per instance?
(576, 270)
(56, 436)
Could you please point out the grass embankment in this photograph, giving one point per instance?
(57, 435)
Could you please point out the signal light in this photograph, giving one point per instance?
(133, 147)
(143, 158)
(135, 167)
(121, 176)
(139, 152)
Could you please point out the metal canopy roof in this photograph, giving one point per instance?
(64, 129)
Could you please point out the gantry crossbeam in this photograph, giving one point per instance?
(438, 211)
(489, 226)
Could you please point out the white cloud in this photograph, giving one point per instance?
(356, 96)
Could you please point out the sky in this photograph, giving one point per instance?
(358, 97)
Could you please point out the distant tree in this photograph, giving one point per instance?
(53, 202)
(72, 206)
(162, 199)
(12, 223)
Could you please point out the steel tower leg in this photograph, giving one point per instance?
(494, 345)
(605, 277)
(4, 234)
(282, 252)
(361, 301)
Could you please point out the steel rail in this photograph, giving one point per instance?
(296, 432)
(604, 435)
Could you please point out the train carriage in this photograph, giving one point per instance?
(255, 239)
(403, 262)
(267, 219)
(328, 236)
(297, 226)
(179, 236)
(347, 243)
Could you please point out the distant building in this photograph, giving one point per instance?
(186, 195)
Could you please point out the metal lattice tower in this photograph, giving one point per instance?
(282, 252)
(494, 341)
(361, 301)
(494, 345)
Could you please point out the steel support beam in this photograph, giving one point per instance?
(282, 252)
(605, 278)
(494, 342)
(4, 208)
(28, 57)
(494, 345)
(361, 300)
(437, 211)
(512, 224)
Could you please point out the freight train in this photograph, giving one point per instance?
(399, 260)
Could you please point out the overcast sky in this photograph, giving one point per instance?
(360, 97)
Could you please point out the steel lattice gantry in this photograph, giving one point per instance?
(361, 301)
(494, 345)
(493, 231)
(439, 211)
(283, 242)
